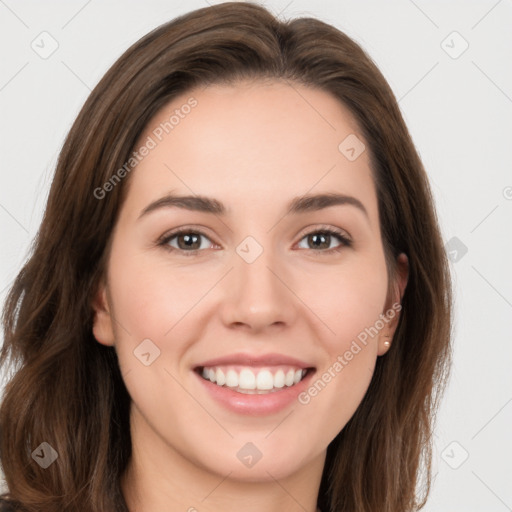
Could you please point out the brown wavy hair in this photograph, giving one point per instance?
(66, 389)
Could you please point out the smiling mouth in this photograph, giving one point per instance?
(252, 381)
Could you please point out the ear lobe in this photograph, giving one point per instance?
(102, 321)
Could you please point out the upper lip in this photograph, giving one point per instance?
(244, 359)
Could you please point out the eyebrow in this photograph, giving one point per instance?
(302, 204)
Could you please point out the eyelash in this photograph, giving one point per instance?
(344, 241)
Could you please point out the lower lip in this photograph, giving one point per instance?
(255, 405)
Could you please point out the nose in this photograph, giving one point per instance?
(258, 295)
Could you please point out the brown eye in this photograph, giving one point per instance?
(319, 240)
(188, 241)
(323, 239)
(185, 241)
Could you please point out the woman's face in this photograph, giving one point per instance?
(253, 289)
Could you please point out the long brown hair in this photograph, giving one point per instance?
(66, 388)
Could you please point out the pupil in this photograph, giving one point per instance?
(189, 240)
(316, 237)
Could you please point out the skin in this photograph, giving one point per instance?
(254, 147)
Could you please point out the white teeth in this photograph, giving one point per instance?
(279, 379)
(248, 380)
(232, 379)
(264, 380)
(220, 377)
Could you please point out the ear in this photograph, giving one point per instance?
(102, 323)
(392, 309)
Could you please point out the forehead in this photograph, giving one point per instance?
(252, 143)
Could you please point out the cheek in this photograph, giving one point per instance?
(348, 300)
(335, 393)
(150, 298)
(151, 305)
(151, 302)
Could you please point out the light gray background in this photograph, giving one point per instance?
(459, 112)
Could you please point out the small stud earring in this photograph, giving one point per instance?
(387, 343)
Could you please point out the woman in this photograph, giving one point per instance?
(238, 295)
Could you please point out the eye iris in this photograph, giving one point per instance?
(316, 238)
(190, 240)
